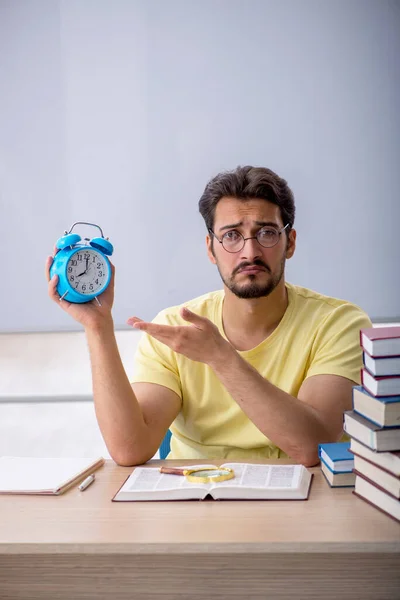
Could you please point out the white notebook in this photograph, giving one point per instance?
(45, 476)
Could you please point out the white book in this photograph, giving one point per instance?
(44, 476)
(250, 482)
(377, 497)
(388, 482)
(386, 460)
(345, 479)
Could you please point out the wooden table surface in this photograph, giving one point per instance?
(332, 544)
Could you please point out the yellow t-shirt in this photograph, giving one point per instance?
(317, 335)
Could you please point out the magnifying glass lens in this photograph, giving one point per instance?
(209, 475)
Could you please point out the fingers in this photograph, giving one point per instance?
(52, 287)
(54, 295)
(112, 274)
(133, 321)
(48, 264)
(190, 316)
(161, 332)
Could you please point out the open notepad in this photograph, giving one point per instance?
(251, 482)
(44, 476)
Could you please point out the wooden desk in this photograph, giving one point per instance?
(82, 545)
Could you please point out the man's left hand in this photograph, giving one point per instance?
(200, 341)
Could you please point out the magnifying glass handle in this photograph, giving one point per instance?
(172, 471)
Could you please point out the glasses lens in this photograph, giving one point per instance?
(232, 241)
(268, 237)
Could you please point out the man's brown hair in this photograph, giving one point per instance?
(247, 183)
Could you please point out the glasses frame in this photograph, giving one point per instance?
(253, 237)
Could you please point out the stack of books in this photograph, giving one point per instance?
(337, 464)
(374, 423)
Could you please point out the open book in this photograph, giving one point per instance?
(251, 482)
(44, 476)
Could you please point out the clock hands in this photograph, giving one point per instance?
(85, 271)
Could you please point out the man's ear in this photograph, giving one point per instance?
(210, 253)
(291, 244)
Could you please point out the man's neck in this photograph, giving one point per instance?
(247, 322)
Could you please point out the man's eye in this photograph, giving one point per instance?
(267, 234)
(232, 236)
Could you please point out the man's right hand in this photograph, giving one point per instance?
(88, 314)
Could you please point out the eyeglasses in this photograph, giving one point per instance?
(233, 241)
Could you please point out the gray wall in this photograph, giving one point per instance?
(119, 112)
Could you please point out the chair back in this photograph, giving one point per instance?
(165, 445)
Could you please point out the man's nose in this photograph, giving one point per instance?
(251, 249)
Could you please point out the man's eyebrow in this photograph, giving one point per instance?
(268, 224)
(259, 223)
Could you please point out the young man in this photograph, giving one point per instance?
(259, 369)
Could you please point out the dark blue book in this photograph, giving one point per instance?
(337, 457)
(379, 367)
(384, 411)
(381, 439)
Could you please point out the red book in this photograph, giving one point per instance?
(380, 386)
(381, 341)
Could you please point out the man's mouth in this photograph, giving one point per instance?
(252, 269)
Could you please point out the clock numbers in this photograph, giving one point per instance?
(87, 272)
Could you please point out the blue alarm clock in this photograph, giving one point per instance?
(82, 266)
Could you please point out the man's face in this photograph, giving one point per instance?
(254, 271)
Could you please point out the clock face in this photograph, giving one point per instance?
(87, 271)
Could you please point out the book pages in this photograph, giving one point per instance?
(151, 480)
(246, 476)
(263, 476)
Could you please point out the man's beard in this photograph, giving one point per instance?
(253, 289)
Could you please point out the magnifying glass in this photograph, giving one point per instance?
(201, 474)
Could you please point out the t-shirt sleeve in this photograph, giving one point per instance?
(336, 349)
(155, 362)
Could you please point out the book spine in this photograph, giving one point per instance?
(379, 487)
(375, 506)
(377, 394)
(350, 469)
(378, 466)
